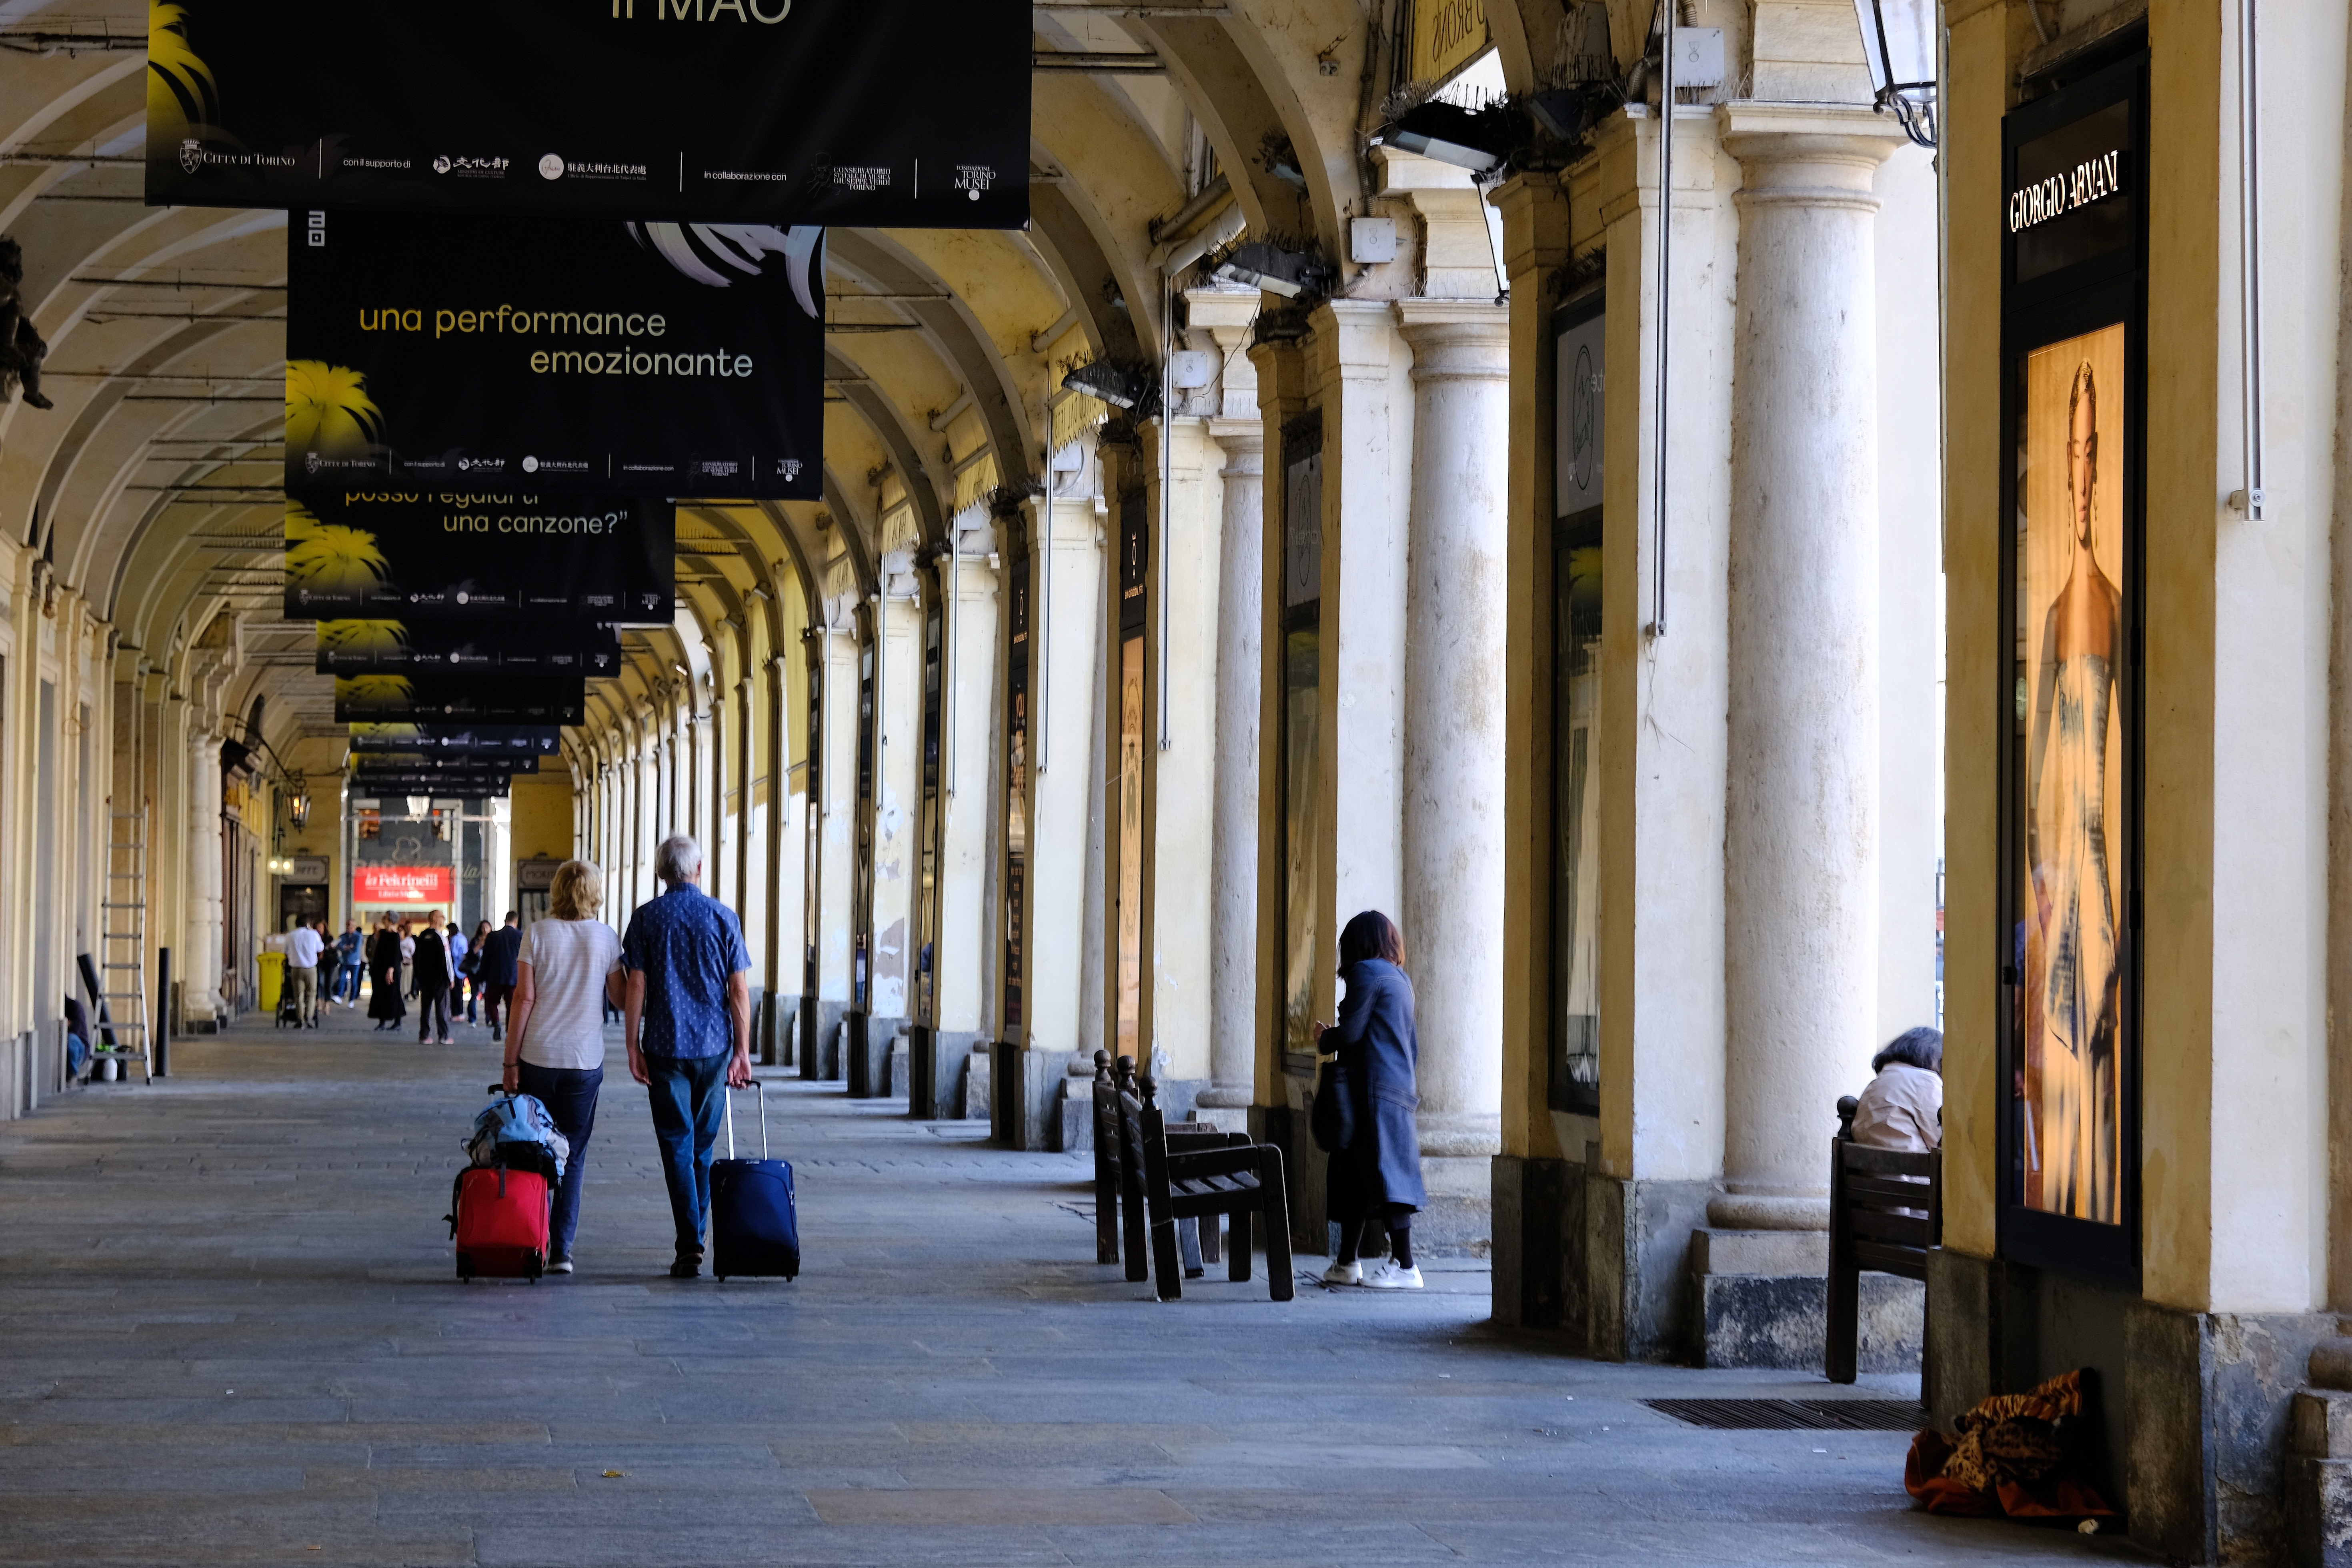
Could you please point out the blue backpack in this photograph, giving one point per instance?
(516, 1133)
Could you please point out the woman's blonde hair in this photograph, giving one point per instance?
(577, 892)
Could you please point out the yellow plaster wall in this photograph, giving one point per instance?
(540, 818)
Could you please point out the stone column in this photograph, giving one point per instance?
(1233, 847)
(202, 975)
(1800, 877)
(1453, 714)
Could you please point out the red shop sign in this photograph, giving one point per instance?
(402, 885)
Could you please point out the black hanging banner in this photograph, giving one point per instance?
(457, 740)
(416, 556)
(445, 698)
(392, 646)
(477, 786)
(895, 113)
(434, 763)
(564, 355)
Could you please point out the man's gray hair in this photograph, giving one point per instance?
(679, 860)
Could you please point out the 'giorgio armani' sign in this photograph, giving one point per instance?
(2092, 179)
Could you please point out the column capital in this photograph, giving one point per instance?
(1353, 335)
(1244, 443)
(1456, 340)
(1808, 153)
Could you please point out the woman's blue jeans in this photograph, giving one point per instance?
(569, 1096)
(689, 1098)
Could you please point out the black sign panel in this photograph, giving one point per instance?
(458, 740)
(435, 763)
(901, 114)
(415, 556)
(620, 358)
(497, 700)
(384, 783)
(402, 647)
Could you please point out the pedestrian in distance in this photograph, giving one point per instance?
(352, 945)
(1376, 1181)
(458, 949)
(383, 976)
(686, 1016)
(568, 972)
(331, 969)
(471, 968)
(431, 983)
(502, 955)
(302, 945)
(408, 955)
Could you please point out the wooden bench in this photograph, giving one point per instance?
(1886, 1213)
(1201, 1177)
(1118, 1181)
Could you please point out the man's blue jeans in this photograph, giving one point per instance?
(569, 1096)
(689, 1098)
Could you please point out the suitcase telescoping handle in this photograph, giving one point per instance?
(762, 1091)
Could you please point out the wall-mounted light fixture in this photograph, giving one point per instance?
(1898, 43)
(298, 804)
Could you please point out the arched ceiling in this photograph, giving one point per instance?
(153, 485)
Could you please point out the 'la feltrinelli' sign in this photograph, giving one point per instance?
(2092, 180)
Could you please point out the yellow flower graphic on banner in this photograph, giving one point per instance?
(356, 637)
(181, 92)
(330, 557)
(383, 732)
(327, 410)
(373, 690)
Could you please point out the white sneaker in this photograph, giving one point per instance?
(1386, 1275)
(1344, 1274)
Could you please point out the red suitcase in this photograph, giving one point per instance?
(498, 1218)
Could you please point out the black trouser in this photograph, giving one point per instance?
(432, 1002)
(1361, 1232)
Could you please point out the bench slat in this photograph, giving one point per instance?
(1901, 1230)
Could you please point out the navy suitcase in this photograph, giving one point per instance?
(754, 1223)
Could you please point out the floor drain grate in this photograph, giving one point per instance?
(1795, 1415)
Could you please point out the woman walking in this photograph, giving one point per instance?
(1376, 1180)
(471, 967)
(383, 976)
(569, 969)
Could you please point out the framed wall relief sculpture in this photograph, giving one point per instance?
(2074, 327)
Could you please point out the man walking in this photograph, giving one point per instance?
(686, 1016)
(302, 945)
(498, 971)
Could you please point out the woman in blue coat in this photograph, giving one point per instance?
(1376, 1180)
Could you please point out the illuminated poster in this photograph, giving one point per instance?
(486, 557)
(655, 359)
(1131, 847)
(2071, 658)
(890, 112)
(1016, 795)
(1301, 713)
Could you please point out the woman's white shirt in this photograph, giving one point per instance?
(568, 962)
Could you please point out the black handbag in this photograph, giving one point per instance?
(1332, 1118)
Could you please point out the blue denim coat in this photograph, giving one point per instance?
(1378, 1048)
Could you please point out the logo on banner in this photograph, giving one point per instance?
(973, 178)
(789, 467)
(192, 154)
(551, 167)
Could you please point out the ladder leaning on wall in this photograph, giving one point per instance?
(122, 958)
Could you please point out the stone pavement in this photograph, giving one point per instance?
(229, 1334)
